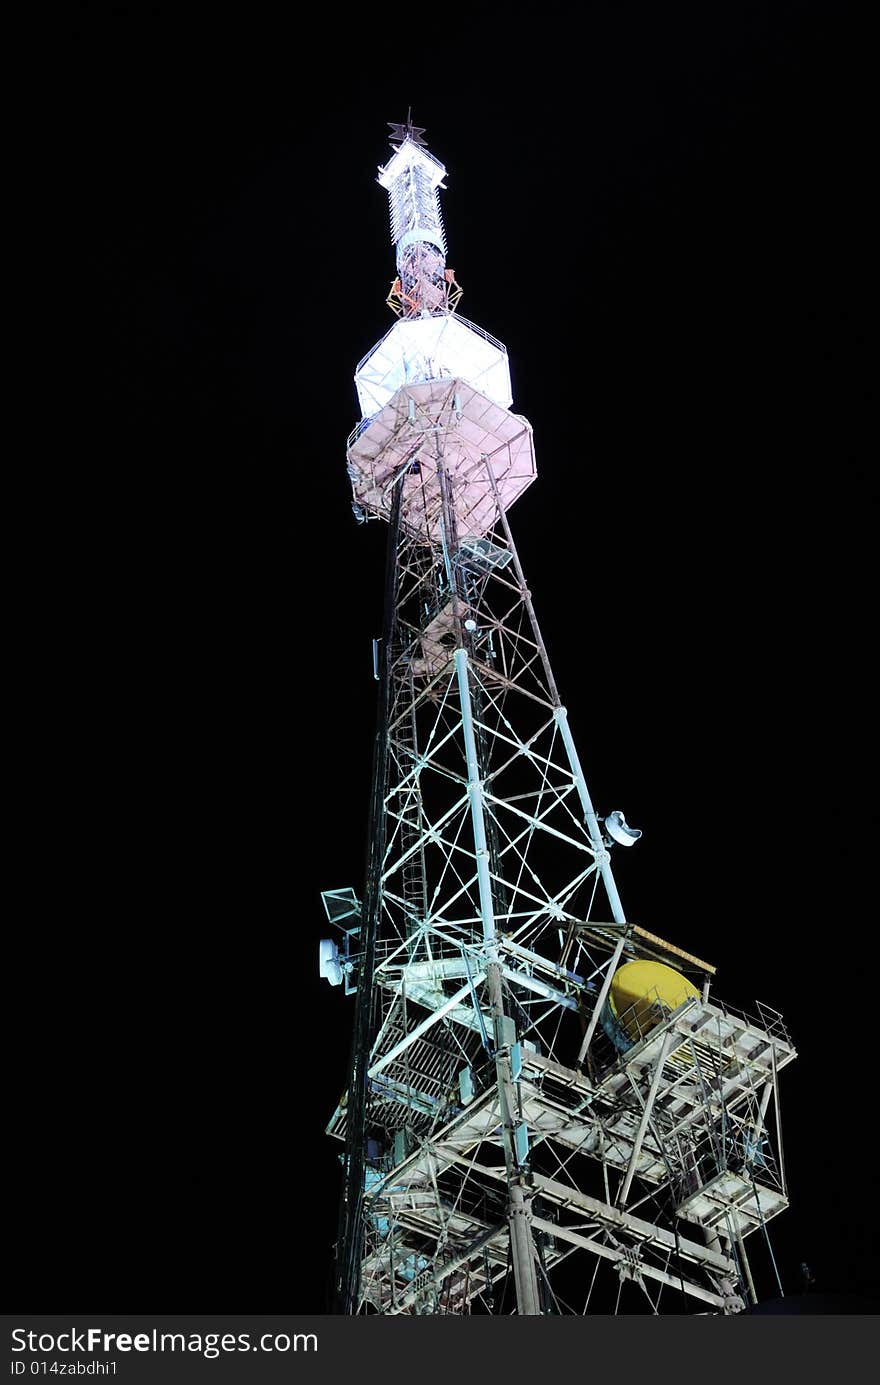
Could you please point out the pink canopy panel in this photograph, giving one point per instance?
(486, 451)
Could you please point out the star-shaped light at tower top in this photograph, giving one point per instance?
(401, 131)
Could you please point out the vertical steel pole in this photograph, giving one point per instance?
(349, 1249)
(519, 1205)
(747, 1269)
(603, 860)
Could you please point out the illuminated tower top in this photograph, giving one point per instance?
(412, 178)
(430, 340)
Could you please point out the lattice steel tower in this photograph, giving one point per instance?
(538, 1087)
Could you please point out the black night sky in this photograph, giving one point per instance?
(661, 210)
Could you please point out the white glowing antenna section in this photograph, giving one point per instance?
(413, 179)
(430, 341)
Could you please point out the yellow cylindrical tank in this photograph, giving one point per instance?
(640, 993)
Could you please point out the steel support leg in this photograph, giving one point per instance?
(519, 1204)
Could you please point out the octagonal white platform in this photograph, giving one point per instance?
(433, 348)
(473, 435)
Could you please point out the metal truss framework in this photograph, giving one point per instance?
(503, 1140)
(493, 1132)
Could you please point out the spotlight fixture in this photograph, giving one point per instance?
(617, 830)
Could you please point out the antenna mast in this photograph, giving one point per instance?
(539, 1087)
